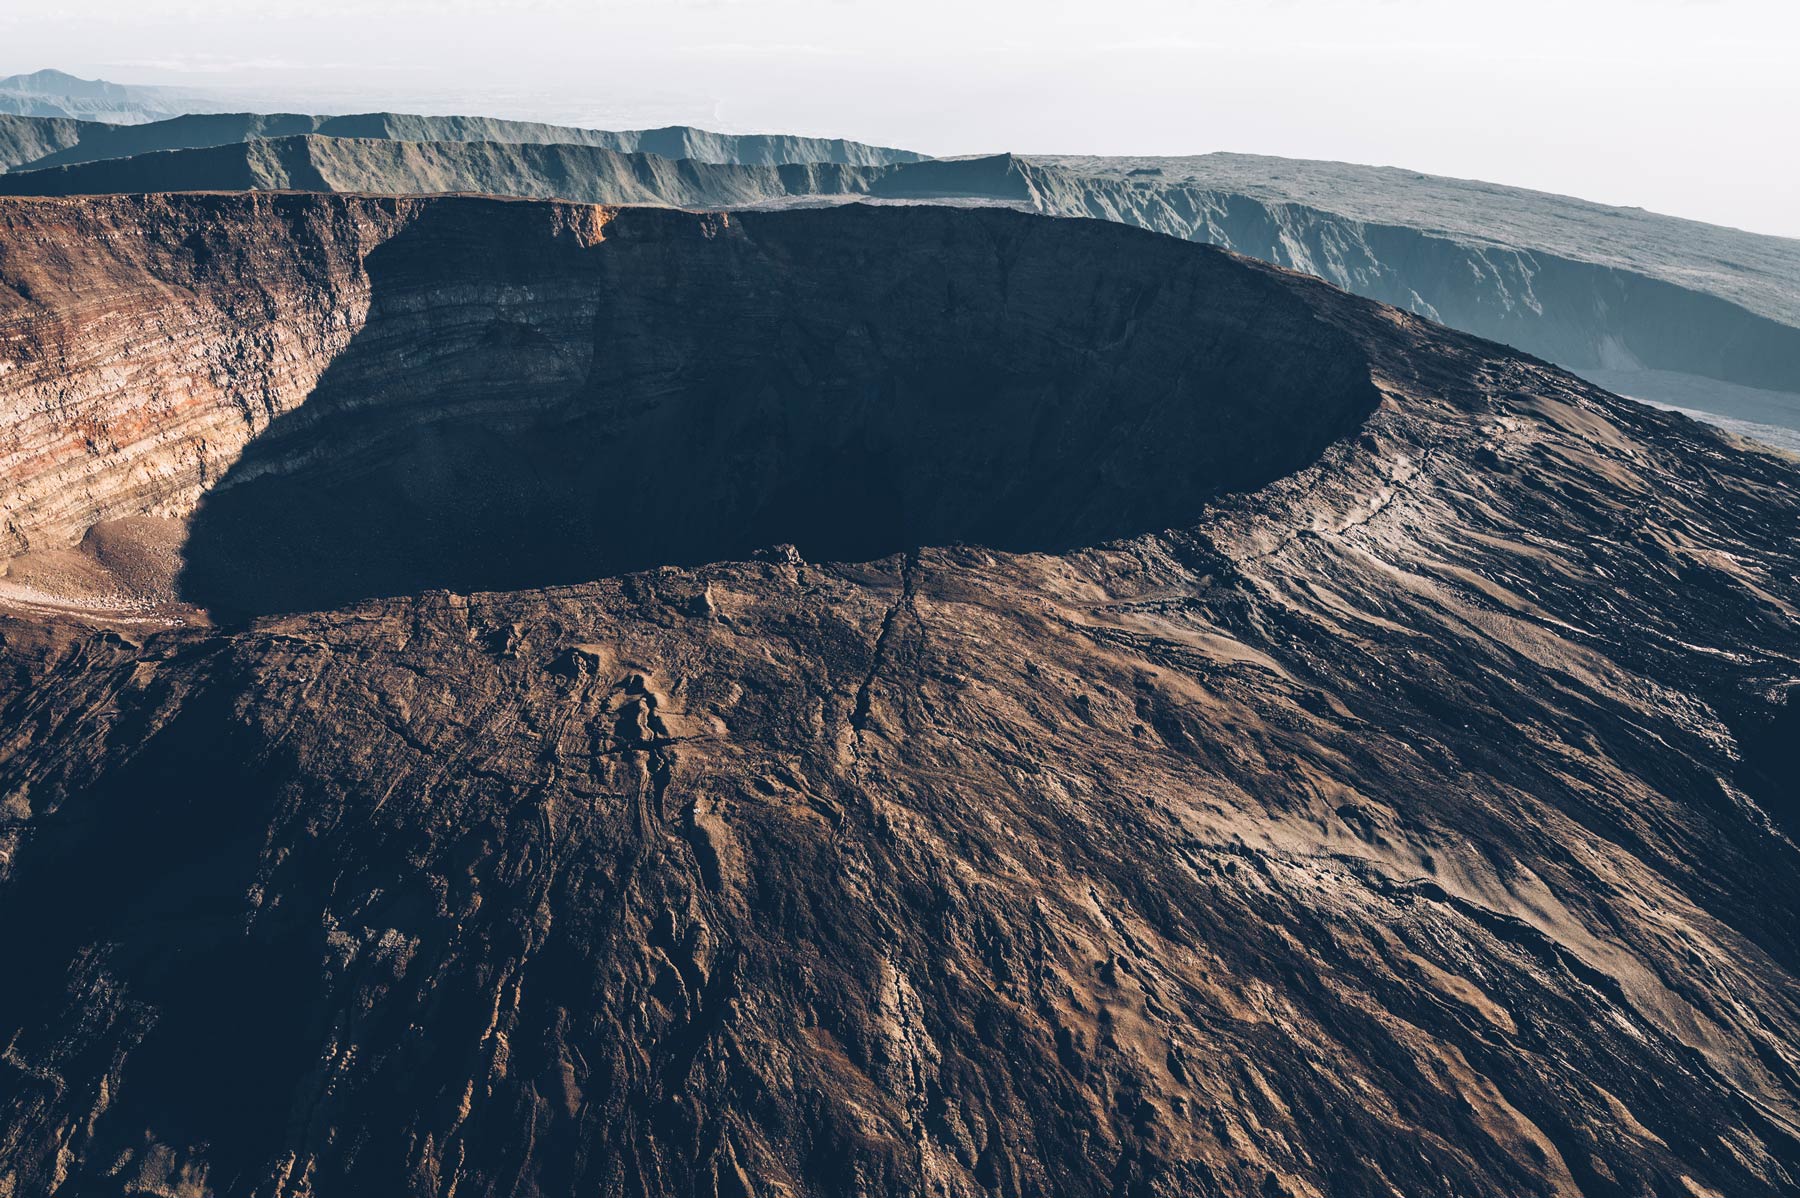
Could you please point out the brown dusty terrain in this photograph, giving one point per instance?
(1271, 744)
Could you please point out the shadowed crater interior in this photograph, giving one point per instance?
(519, 412)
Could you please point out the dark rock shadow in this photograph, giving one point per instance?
(524, 409)
(150, 867)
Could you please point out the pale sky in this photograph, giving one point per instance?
(1690, 107)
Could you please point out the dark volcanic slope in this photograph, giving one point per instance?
(1416, 821)
(98, 141)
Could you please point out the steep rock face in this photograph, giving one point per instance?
(27, 139)
(167, 344)
(1416, 821)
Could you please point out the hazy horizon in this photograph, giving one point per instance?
(1679, 106)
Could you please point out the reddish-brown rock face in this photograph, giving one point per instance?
(149, 339)
(1339, 757)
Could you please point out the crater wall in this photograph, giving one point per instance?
(348, 397)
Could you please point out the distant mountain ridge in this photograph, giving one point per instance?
(97, 142)
(1650, 305)
(52, 93)
(1759, 271)
(1639, 302)
(584, 173)
(1664, 309)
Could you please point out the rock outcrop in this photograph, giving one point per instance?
(1402, 803)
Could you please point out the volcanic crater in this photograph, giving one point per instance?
(1372, 780)
(515, 402)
